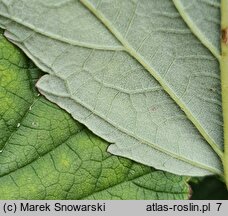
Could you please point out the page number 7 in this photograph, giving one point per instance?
(219, 205)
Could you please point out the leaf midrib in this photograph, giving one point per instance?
(139, 58)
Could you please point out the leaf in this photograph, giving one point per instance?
(47, 155)
(133, 72)
(206, 28)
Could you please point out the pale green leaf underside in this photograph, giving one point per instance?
(131, 71)
(46, 154)
(203, 18)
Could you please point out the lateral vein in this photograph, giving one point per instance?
(165, 86)
(196, 31)
(58, 38)
(130, 134)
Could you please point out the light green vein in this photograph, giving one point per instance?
(130, 181)
(195, 30)
(162, 82)
(59, 38)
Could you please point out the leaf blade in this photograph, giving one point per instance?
(200, 106)
(156, 75)
(190, 165)
(51, 156)
(191, 14)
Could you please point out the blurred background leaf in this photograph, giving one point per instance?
(208, 188)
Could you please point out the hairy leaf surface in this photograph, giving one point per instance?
(143, 75)
(45, 154)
